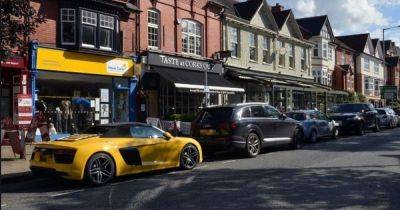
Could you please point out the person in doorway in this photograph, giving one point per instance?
(66, 113)
(58, 121)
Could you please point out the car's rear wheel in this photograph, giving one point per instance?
(253, 145)
(100, 169)
(189, 157)
(297, 139)
(313, 136)
(335, 133)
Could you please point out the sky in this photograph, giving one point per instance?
(351, 16)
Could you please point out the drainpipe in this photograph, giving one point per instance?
(176, 25)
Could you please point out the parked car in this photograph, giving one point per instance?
(114, 150)
(387, 117)
(315, 124)
(248, 127)
(356, 117)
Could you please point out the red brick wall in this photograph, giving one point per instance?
(47, 32)
(170, 40)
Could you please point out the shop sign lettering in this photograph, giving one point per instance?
(117, 66)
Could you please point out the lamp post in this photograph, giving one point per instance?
(383, 37)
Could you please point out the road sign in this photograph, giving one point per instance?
(389, 92)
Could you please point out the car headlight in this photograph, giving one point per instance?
(356, 117)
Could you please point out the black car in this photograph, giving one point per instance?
(356, 117)
(248, 127)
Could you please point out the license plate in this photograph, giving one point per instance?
(207, 132)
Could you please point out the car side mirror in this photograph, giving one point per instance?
(282, 116)
(168, 136)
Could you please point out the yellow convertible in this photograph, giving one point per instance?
(104, 152)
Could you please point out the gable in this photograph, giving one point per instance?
(290, 28)
(369, 49)
(262, 19)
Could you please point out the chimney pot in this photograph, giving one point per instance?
(277, 8)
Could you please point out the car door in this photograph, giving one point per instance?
(323, 124)
(155, 150)
(260, 118)
(283, 126)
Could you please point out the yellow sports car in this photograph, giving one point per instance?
(104, 152)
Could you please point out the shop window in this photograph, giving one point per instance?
(191, 37)
(89, 23)
(303, 58)
(67, 26)
(290, 50)
(316, 50)
(153, 28)
(106, 32)
(234, 42)
(266, 48)
(252, 47)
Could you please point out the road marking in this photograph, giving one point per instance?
(200, 167)
(66, 193)
(228, 161)
(3, 205)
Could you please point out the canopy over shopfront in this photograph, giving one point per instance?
(194, 81)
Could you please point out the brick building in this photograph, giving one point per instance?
(82, 69)
(343, 75)
(176, 40)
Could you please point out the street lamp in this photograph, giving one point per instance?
(383, 37)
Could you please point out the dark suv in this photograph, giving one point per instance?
(248, 127)
(356, 117)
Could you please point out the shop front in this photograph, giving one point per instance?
(175, 85)
(84, 89)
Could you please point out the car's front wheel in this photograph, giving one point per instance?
(189, 157)
(100, 169)
(313, 136)
(297, 139)
(253, 145)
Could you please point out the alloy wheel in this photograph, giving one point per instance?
(253, 145)
(189, 157)
(100, 169)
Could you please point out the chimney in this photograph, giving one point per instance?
(277, 8)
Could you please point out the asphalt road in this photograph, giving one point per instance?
(349, 173)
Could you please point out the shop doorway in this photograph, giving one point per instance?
(121, 106)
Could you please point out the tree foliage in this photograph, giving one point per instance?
(18, 20)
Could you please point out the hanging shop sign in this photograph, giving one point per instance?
(172, 61)
(76, 62)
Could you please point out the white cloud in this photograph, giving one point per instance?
(346, 16)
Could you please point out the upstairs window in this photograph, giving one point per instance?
(325, 50)
(252, 47)
(290, 50)
(106, 32)
(366, 64)
(67, 26)
(266, 44)
(376, 67)
(316, 50)
(281, 58)
(191, 37)
(234, 42)
(303, 58)
(153, 22)
(89, 24)
(330, 53)
(342, 58)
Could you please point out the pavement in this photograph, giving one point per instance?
(12, 166)
(349, 173)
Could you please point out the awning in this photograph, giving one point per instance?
(194, 80)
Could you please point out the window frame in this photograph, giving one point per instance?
(107, 28)
(303, 62)
(233, 41)
(266, 49)
(61, 25)
(196, 52)
(154, 26)
(376, 67)
(252, 46)
(281, 57)
(291, 55)
(95, 26)
(325, 50)
(316, 50)
(367, 65)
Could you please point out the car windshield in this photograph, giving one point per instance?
(381, 111)
(215, 114)
(346, 108)
(297, 116)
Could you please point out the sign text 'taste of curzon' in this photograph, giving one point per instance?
(181, 63)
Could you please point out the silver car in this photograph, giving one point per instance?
(387, 117)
